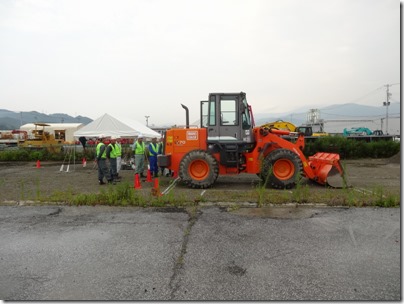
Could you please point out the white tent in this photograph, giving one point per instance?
(141, 128)
(110, 126)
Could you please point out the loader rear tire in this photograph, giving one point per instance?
(281, 169)
(198, 169)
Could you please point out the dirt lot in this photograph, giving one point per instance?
(24, 181)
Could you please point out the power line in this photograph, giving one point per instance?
(368, 94)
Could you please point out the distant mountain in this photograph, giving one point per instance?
(10, 120)
(348, 111)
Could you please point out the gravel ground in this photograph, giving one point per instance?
(24, 181)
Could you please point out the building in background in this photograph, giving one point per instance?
(61, 131)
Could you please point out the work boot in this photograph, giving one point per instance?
(101, 182)
(111, 181)
(142, 175)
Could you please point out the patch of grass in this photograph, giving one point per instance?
(383, 199)
(301, 193)
(233, 207)
(22, 190)
(123, 194)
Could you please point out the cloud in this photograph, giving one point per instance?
(149, 55)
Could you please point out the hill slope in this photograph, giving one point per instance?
(13, 120)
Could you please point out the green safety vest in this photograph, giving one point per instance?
(118, 149)
(155, 148)
(139, 148)
(112, 154)
(104, 155)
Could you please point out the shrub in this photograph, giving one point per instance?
(349, 148)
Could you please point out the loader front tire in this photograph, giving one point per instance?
(198, 169)
(281, 169)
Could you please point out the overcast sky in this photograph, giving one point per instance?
(145, 57)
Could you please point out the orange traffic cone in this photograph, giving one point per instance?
(84, 162)
(149, 178)
(38, 164)
(156, 189)
(137, 182)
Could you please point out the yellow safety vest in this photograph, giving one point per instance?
(139, 148)
(98, 149)
(118, 149)
(154, 148)
(112, 154)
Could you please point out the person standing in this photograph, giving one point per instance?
(153, 152)
(139, 150)
(118, 150)
(101, 159)
(111, 156)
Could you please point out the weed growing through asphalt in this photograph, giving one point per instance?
(22, 190)
(262, 188)
(301, 192)
(383, 199)
(37, 190)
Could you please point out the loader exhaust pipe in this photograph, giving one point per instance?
(186, 115)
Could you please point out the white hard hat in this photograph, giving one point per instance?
(101, 136)
(140, 136)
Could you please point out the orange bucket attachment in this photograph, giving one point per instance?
(327, 169)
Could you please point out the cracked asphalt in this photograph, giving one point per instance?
(207, 253)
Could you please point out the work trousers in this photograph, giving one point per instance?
(103, 170)
(118, 164)
(153, 165)
(139, 163)
(112, 169)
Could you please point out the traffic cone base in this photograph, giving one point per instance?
(149, 178)
(156, 188)
(137, 182)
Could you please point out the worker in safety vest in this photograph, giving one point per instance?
(153, 152)
(139, 149)
(118, 150)
(111, 156)
(101, 159)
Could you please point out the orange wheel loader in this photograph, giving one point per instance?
(228, 143)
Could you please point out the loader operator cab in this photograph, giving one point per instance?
(228, 120)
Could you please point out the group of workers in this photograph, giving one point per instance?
(113, 153)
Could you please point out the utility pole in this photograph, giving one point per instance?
(147, 120)
(386, 104)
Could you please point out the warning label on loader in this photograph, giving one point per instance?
(192, 135)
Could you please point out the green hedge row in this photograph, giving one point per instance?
(352, 149)
(347, 148)
(44, 155)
